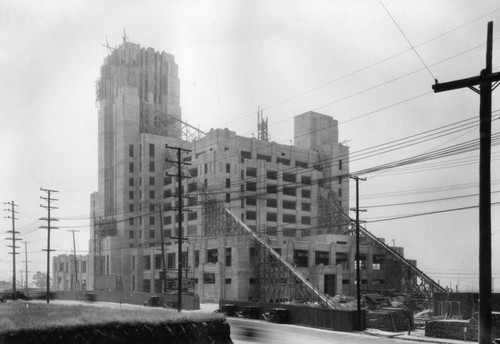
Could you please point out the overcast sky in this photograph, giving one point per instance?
(346, 59)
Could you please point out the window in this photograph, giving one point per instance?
(251, 215)
(272, 189)
(289, 191)
(228, 182)
(131, 151)
(340, 164)
(130, 195)
(273, 203)
(271, 217)
(272, 175)
(147, 263)
(196, 258)
(342, 258)
(305, 220)
(301, 164)
(130, 234)
(322, 257)
(146, 286)
(306, 193)
(340, 179)
(167, 220)
(228, 256)
(152, 194)
(228, 281)
(305, 206)
(206, 168)
(151, 233)
(251, 200)
(289, 232)
(251, 172)
(289, 218)
(151, 150)
(151, 166)
(131, 208)
(378, 261)
(192, 215)
(301, 258)
(305, 180)
(131, 167)
(340, 192)
(209, 278)
(245, 155)
(131, 221)
(84, 267)
(252, 252)
(151, 220)
(228, 168)
(289, 177)
(251, 186)
(271, 230)
(264, 157)
(151, 208)
(252, 281)
(192, 187)
(151, 180)
(158, 261)
(283, 161)
(212, 256)
(289, 205)
(228, 198)
(167, 180)
(131, 182)
(170, 260)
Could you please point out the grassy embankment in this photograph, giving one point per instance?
(39, 322)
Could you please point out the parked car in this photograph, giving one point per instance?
(277, 315)
(19, 295)
(229, 310)
(252, 312)
(154, 301)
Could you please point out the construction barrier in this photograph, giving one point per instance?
(311, 316)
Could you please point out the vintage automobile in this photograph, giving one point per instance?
(251, 312)
(19, 295)
(154, 301)
(228, 309)
(277, 315)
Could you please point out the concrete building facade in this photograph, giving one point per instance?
(290, 194)
(63, 272)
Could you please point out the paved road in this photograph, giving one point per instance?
(255, 331)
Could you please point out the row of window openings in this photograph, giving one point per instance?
(81, 266)
(273, 203)
(167, 220)
(300, 259)
(284, 161)
(273, 217)
(151, 150)
(251, 172)
(209, 278)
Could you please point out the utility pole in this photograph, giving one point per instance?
(74, 257)
(163, 265)
(26, 262)
(179, 163)
(49, 220)
(484, 80)
(358, 265)
(14, 239)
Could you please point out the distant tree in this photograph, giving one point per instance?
(40, 279)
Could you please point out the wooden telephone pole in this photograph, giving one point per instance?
(484, 80)
(180, 209)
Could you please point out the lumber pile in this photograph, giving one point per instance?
(451, 329)
(390, 319)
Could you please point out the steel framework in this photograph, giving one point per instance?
(411, 279)
(277, 279)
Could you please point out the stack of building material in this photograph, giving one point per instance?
(451, 329)
(390, 319)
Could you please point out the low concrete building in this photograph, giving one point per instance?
(63, 272)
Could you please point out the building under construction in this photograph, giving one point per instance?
(260, 220)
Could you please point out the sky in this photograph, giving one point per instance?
(370, 64)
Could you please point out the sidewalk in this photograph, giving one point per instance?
(416, 335)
